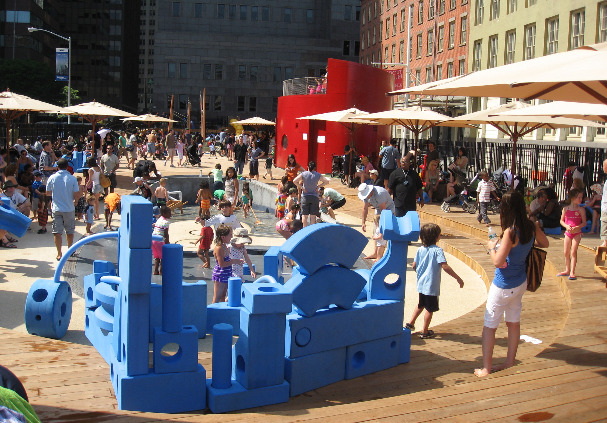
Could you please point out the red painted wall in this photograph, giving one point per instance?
(349, 85)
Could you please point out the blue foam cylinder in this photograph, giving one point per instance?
(172, 272)
(234, 288)
(222, 355)
(48, 308)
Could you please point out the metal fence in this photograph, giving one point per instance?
(303, 86)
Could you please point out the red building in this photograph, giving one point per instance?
(348, 85)
(438, 37)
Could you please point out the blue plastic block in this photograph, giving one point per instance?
(91, 281)
(335, 328)
(135, 222)
(588, 226)
(134, 333)
(373, 356)
(222, 313)
(185, 359)
(223, 334)
(105, 267)
(553, 231)
(172, 292)
(328, 285)
(404, 228)
(238, 398)
(260, 351)
(13, 221)
(160, 393)
(272, 263)
(136, 269)
(404, 355)
(266, 298)
(317, 245)
(101, 340)
(366, 274)
(48, 308)
(116, 348)
(234, 291)
(315, 370)
(106, 295)
(103, 319)
(194, 307)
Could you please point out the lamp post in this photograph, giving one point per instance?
(69, 65)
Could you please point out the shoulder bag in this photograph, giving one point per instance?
(536, 259)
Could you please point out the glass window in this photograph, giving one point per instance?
(477, 55)
(254, 13)
(451, 34)
(287, 15)
(277, 76)
(221, 11)
(510, 46)
(19, 16)
(243, 13)
(552, 35)
(393, 57)
(463, 30)
(242, 72)
(418, 77)
(512, 5)
(232, 11)
(403, 20)
(183, 101)
(494, 9)
(198, 10)
(430, 45)
(386, 57)
(428, 74)
(253, 70)
(462, 67)
(289, 72)
(347, 12)
(176, 9)
(401, 52)
(346, 49)
(218, 71)
(265, 13)
(356, 48)
(394, 24)
(441, 38)
(310, 16)
(183, 70)
(450, 70)
(452, 4)
(206, 71)
(217, 103)
(439, 72)
(420, 12)
(387, 28)
(602, 33)
(480, 12)
(431, 10)
(240, 103)
(357, 13)
(252, 104)
(529, 52)
(172, 69)
(420, 43)
(577, 29)
(492, 60)
(441, 9)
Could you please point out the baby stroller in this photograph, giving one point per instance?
(192, 156)
(466, 198)
(337, 166)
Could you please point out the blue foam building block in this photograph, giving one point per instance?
(134, 333)
(259, 352)
(404, 355)
(135, 222)
(588, 226)
(315, 370)
(553, 231)
(106, 295)
(237, 397)
(104, 267)
(135, 266)
(185, 359)
(48, 308)
(103, 319)
(317, 245)
(194, 309)
(366, 274)
(328, 285)
(13, 220)
(272, 263)
(266, 298)
(101, 340)
(372, 356)
(335, 328)
(405, 228)
(159, 393)
(222, 313)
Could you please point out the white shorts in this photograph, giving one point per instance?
(506, 303)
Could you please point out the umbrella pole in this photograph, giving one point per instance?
(513, 165)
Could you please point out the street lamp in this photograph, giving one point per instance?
(69, 65)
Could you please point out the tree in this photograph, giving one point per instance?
(31, 78)
(75, 96)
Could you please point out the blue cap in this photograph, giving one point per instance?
(156, 210)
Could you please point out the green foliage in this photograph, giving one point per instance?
(31, 78)
(75, 97)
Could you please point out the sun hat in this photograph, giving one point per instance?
(364, 190)
(138, 179)
(374, 172)
(597, 188)
(9, 184)
(241, 236)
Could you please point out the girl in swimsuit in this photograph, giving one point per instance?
(223, 267)
(573, 219)
(203, 198)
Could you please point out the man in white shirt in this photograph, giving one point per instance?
(17, 200)
(109, 163)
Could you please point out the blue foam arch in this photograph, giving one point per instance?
(13, 221)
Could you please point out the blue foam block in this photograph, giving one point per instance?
(185, 359)
(135, 222)
(388, 276)
(588, 226)
(404, 355)
(13, 221)
(102, 341)
(405, 228)
(238, 398)
(366, 274)
(553, 231)
(328, 285)
(272, 263)
(315, 370)
(103, 319)
(260, 351)
(134, 332)
(48, 308)
(317, 245)
(223, 334)
(266, 298)
(160, 393)
(335, 328)
(136, 269)
(106, 295)
(372, 356)
(222, 313)
(104, 267)
(195, 306)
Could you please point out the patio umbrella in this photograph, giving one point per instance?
(517, 126)
(576, 75)
(95, 112)
(148, 118)
(348, 118)
(587, 111)
(423, 87)
(255, 121)
(13, 105)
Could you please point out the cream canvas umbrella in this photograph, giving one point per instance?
(348, 118)
(255, 121)
(517, 126)
(424, 87)
(148, 118)
(587, 111)
(576, 75)
(95, 112)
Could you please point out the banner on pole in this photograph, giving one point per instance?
(62, 64)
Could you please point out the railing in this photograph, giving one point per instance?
(304, 86)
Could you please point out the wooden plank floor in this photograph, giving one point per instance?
(562, 379)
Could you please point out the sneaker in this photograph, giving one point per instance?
(478, 218)
(42, 231)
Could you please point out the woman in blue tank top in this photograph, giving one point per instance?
(510, 281)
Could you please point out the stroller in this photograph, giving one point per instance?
(192, 156)
(466, 198)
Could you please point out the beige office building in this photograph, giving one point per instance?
(507, 31)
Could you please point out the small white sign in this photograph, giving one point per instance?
(321, 139)
(305, 136)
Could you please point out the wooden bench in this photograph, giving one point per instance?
(599, 263)
(176, 204)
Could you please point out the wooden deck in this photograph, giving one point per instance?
(562, 379)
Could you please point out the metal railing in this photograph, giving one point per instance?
(304, 86)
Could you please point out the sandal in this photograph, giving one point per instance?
(410, 327)
(427, 335)
(11, 239)
(7, 244)
(562, 274)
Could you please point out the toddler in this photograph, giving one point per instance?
(573, 219)
(112, 203)
(223, 264)
(43, 206)
(161, 228)
(280, 202)
(35, 193)
(81, 206)
(205, 240)
(246, 198)
(89, 213)
(161, 193)
(485, 190)
(238, 251)
(203, 198)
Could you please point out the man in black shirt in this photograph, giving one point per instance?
(405, 185)
(240, 155)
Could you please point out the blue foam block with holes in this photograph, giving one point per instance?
(266, 298)
(194, 311)
(365, 273)
(372, 356)
(335, 328)
(48, 308)
(405, 228)
(316, 245)
(222, 313)
(102, 341)
(237, 397)
(272, 263)
(404, 354)
(135, 222)
(105, 267)
(259, 352)
(134, 332)
(328, 285)
(185, 359)
(315, 370)
(136, 268)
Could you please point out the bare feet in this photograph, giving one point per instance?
(206, 265)
(481, 372)
(500, 367)
(370, 257)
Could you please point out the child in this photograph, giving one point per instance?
(226, 217)
(281, 202)
(429, 259)
(89, 213)
(161, 193)
(81, 206)
(573, 219)
(35, 193)
(223, 264)
(217, 177)
(485, 190)
(204, 198)
(269, 161)
(380, 242)
(291, 199)
(43, 206)
(283, 226)
(212, 149)
(205, 240)
(161, 227)
(238, 251)
(112, 203)
(246, 198)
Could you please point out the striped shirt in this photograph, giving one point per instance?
(484, 191)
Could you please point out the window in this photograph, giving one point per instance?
(253, 70)
(206, 71)
(240, 103)
(198, 10)
(356, 48)
(401, 52)
(420, 12)
(357, 13)
(441, 7)
(480, 12)
(386, 54)
(265, 13)
(309, 16)
(254, 13)
(463, 34)
(287, 14)
(439, 72)
(452, 4)
(418, 77)
(511, 6)
(243, 13)
(183, 101)
(510, 46)
(346, 49)
(374, 35)
(347, 12)
(221, 11)
(494, 9)
(430, 46)
(531, 2)
(428, 74)
(172, 69)
(387, 28)
(529, 52)
(218, 71)
(232, 11)
(176, 9)
(552, 35)
(451, 34)
(431, 10)
(477, 54)
(450, 70)
(242, 72)
(183, 70)
(252, 104)
(403, 20)
(492, 62)
(602, 32)
(462, 66)
(369, 37)
(577, 29)
(217, 103)
(441, 38)
(394, 18)
(277, 76)
(420, 42)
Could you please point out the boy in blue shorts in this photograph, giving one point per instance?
(428, 262)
